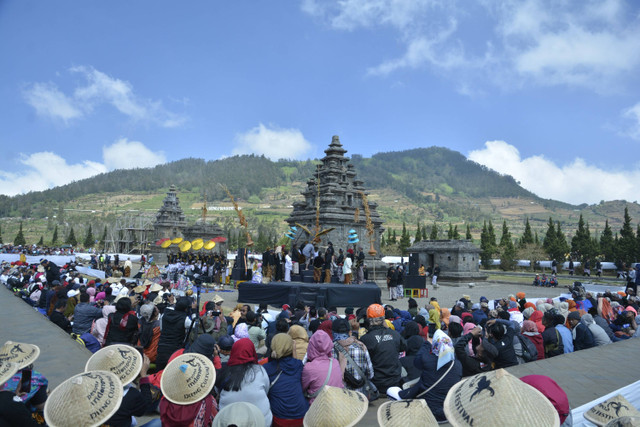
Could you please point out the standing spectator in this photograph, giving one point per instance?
(346, 268)
(435, 274)
(175, 320)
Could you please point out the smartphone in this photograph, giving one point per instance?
(25, 382)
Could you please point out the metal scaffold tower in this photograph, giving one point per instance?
(132, 233)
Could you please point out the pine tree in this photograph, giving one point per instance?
(549, 243)
(492, 235)
(394, 238)
(626, 246)
(382, 242)
(1, 242)
(71, 238)
(527, 236)
(425, 236)
(606, 243)
(581, 242)
(418, 234)
(561, 246)
(506, 235)
(507, 255)
(41, 241)
(468, 235)
(487, 249)
(19, 240)
(405, 240)
(388, 236)
(103, 240)
(89, 240)
(450, 232)
(54, 239)
(434, 232)
(456, 233)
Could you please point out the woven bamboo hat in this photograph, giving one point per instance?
(88, 399)
(610, 410)
(139, 289)
(21, 354)
(625, 421)
(496, 398)
(403, 413)
(239, 414)
(156, 287)
(336, 407)
(7, 370)
(122, 360)
(188, 379)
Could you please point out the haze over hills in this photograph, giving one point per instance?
(419, 185)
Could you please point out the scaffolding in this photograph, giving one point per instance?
(133, 233)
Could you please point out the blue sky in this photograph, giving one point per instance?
(546, 91)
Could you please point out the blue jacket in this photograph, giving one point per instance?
(285, 396)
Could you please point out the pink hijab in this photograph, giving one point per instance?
(465, 330)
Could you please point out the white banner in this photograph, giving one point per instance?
(59, 260)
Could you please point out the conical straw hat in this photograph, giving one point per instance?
(188, 379)
(625, 421)
(404, 413)
(122, 360)
(21, 354)
(336, 407)
(88, 399)
(7, 370)
(611, 409)
(496, 398)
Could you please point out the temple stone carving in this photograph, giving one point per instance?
(333, 199)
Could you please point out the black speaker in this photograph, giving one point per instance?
(414, 264)
(240, 259)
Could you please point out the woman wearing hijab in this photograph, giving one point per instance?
(122, 327)
(100, 325)
(440, 372)
(321, 368)
(288, 404)
(174, 324)
(445, 314)
(243, 380)
(434, 315)
(536, 317)
(530, 330)
(300, 339)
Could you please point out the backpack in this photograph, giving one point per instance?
(529, 350)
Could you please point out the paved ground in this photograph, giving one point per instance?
(584, 375)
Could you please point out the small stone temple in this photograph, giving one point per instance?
(458, 259)
(171, 222)
(334, 198)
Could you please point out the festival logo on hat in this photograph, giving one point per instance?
(188, 379)
(402, 413)
(122, 360)
(21, 354)
(87, 399)
(611, 409)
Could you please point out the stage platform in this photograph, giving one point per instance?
(316, 294)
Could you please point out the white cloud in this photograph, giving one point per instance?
(590, 43)
(100, 89)
(124, 154)
(576, 182)
(633, 114)
(273, 142)
(48, 101)
(44, 170)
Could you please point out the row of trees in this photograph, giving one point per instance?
(622, 247)
(422, 233)
(88, 241)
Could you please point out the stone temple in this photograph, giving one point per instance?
(334, 198)
(171, 222)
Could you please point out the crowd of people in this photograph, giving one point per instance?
(182, 364)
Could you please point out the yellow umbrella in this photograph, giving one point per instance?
(197, 244)
(193, 242)
(165, 244)
(210, 245)
(176, 240)
(184, 246)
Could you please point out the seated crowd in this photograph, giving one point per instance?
(185, 365)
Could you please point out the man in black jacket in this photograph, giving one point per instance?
(58, 318)
(500, 333)
(583, 338)
(52, 271)
(175, 321)
(384, 346)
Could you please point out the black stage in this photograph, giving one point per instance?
(316, 294)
